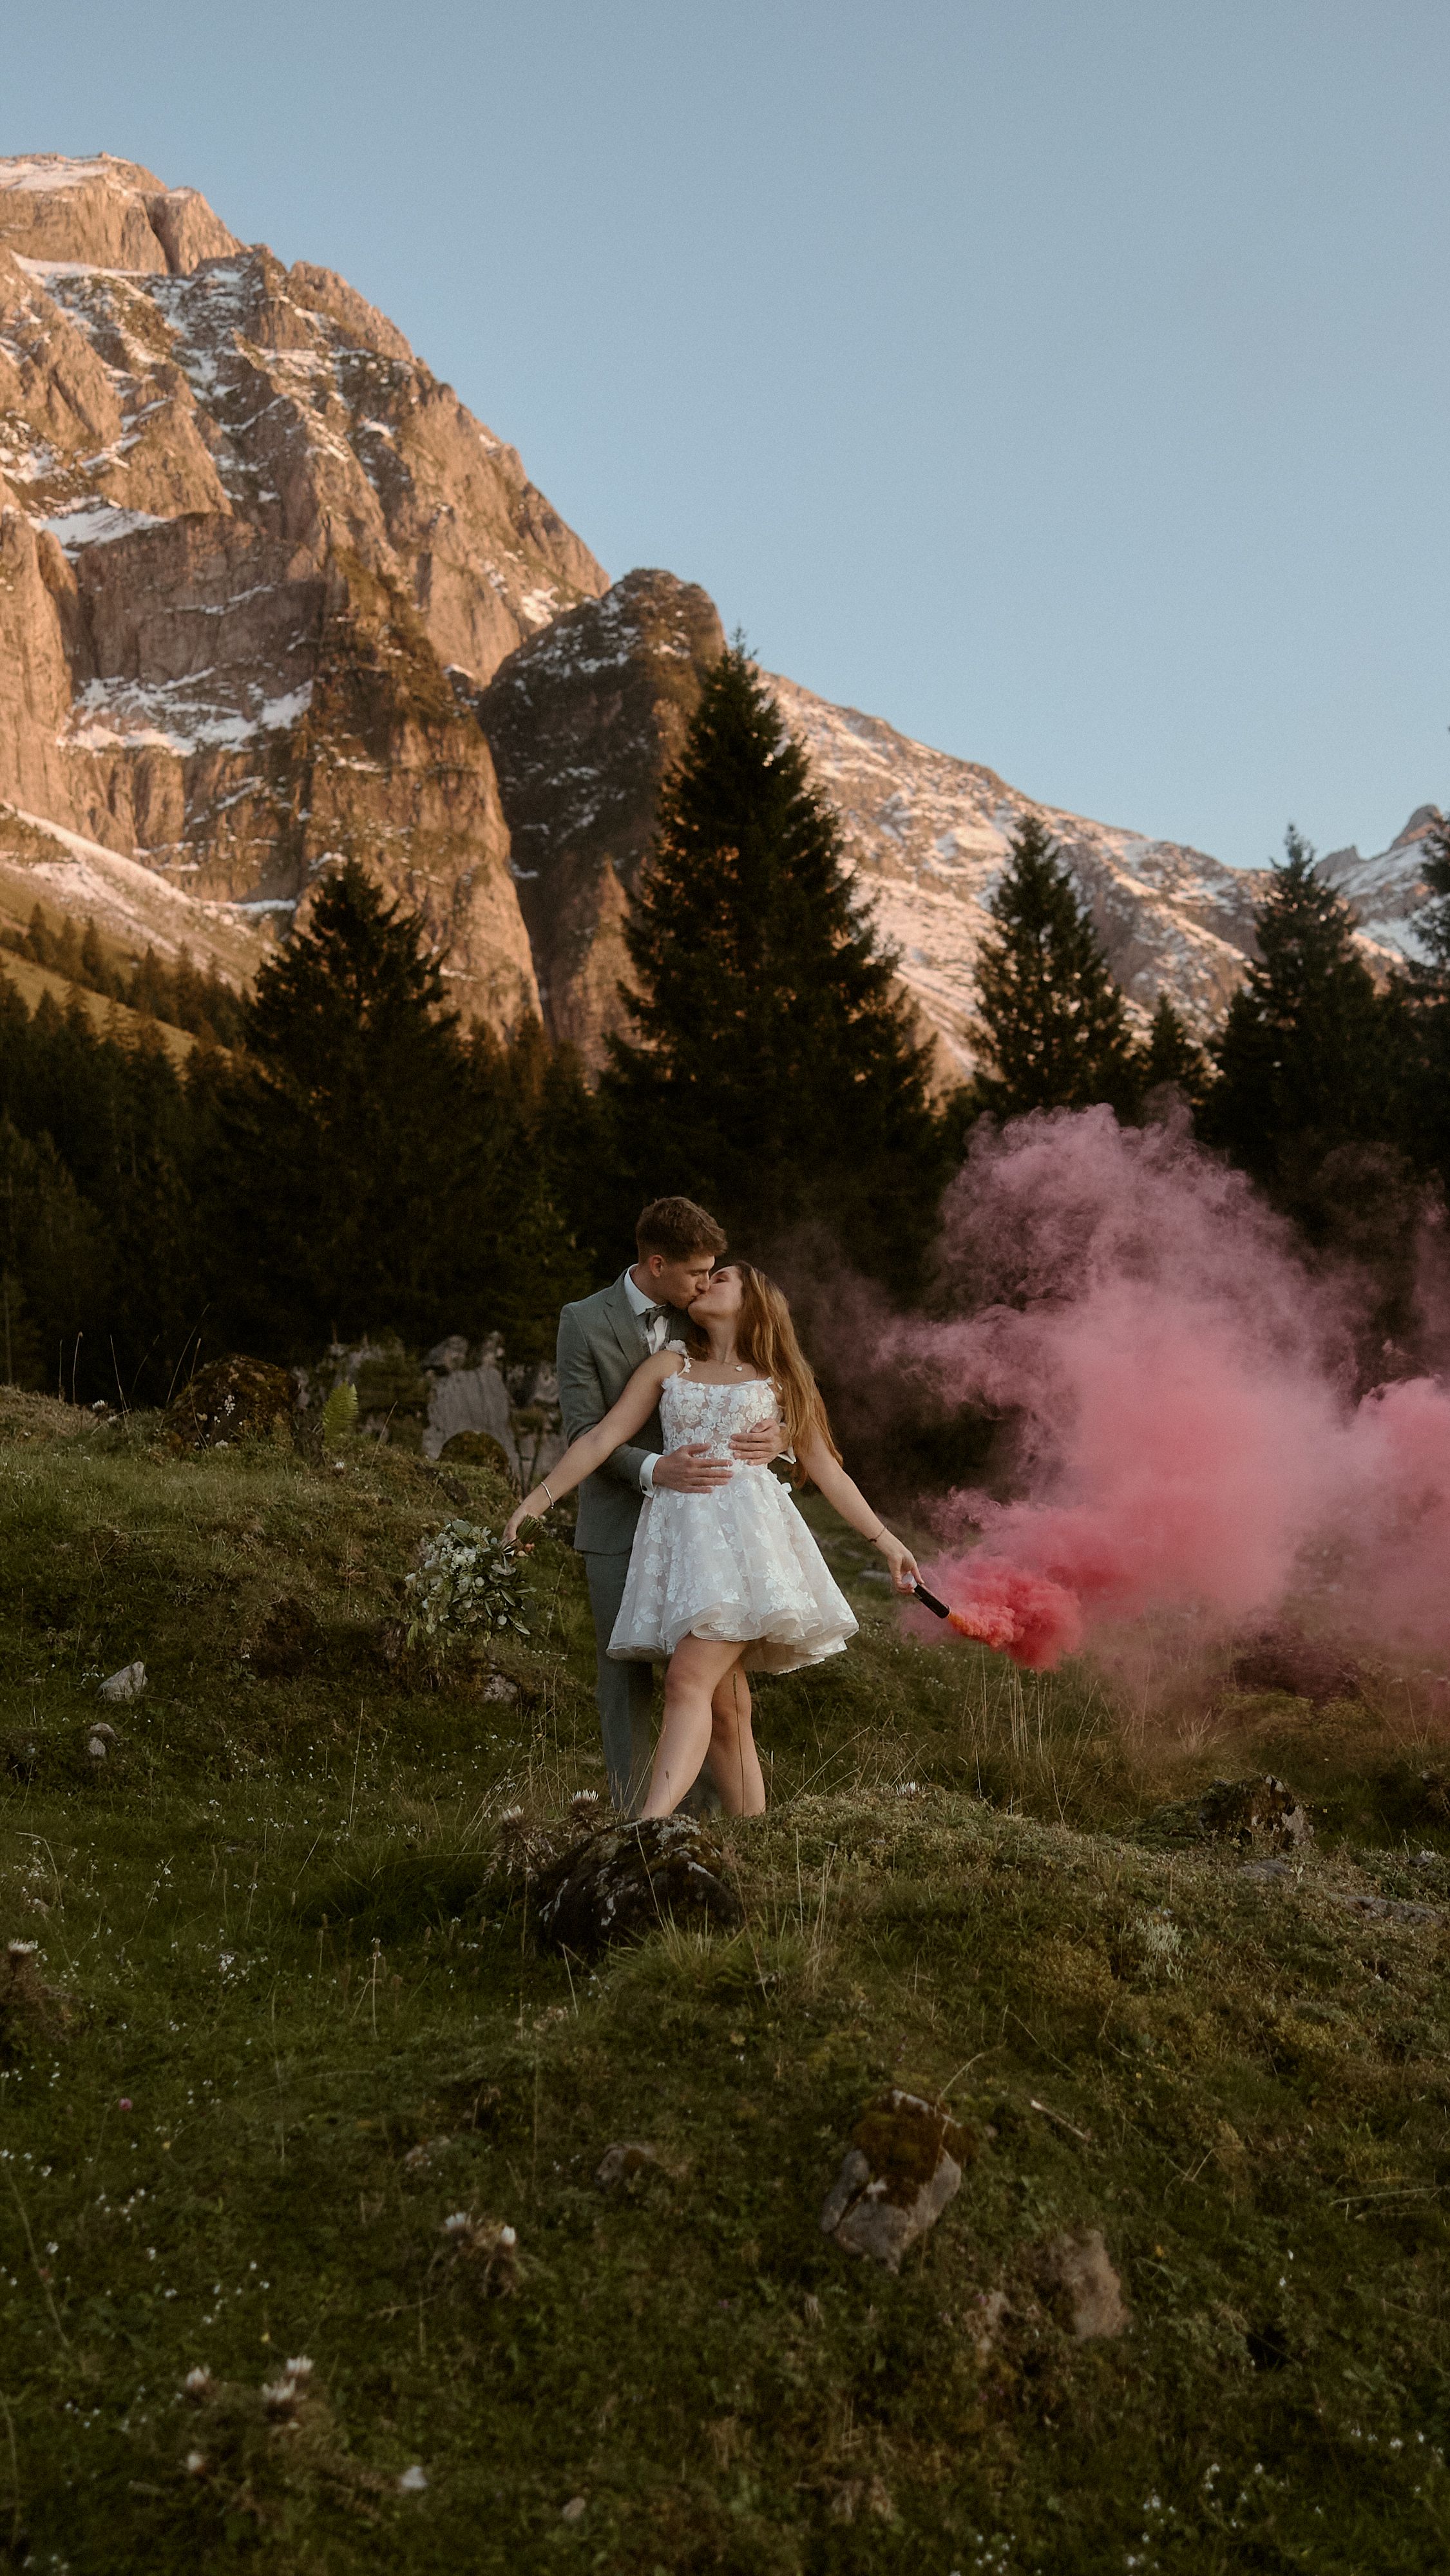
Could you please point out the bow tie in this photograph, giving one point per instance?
(652, 1314)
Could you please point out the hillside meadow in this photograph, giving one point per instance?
(285, 2018)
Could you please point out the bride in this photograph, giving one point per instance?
(731, 1581)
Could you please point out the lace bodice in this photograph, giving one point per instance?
(692, 1412)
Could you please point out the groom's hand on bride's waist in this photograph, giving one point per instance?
(694, 1470)
(762, 1442)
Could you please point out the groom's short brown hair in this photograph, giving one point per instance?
(675, 1228)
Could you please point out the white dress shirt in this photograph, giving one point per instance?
(655, 1336)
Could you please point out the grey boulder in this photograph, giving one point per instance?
(128, 1683)
(902, 2167)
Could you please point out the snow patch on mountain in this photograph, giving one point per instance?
(928, 835)
(1388, 888)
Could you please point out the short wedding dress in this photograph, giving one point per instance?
(737, 1562)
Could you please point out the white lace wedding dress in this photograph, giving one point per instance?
(737, 1562)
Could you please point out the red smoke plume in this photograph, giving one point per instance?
(1190, 1437)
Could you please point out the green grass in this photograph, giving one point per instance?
(271, 1925)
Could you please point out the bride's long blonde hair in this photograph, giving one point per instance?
(765, 1339)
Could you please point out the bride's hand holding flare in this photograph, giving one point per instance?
(905, 1572)
(829, 1477)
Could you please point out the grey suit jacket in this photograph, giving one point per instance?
(601, 1344)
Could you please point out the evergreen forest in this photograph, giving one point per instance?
(338, 1159)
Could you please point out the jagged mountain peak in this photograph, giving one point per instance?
(253, 557)
(1388, 888)
(107, 214)
(271, 595)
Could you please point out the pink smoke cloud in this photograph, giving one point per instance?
(1189, 1433)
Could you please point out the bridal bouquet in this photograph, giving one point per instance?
(465, 1579)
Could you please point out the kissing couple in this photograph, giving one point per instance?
(679, 1385)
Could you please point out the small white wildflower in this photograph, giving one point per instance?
(27, 1949)
(197, 2383)
(196, 2464)
(456, 2221)
(414, 2480)
(301, 2368)
(508, 2236)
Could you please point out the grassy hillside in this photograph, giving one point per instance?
(285, 2019)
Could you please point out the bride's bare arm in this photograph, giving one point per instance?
(591, 1449)
(847, 1499)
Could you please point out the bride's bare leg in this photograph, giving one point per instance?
(696, 1669)
(733, 1762)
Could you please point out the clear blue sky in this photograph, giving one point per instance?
(1065, 380)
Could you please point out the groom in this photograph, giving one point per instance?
(602, 1341)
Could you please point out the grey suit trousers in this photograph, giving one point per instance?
(624, 1691)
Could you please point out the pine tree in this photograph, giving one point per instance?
(1432, 921)
(774, 1074)
(1053, 1028)
(1173, 1057)
(533, 1105)
(1426, 999)
(373, 1170)
(54, 1255)
(94, 969)
(348, 1169)
(1305, 1062)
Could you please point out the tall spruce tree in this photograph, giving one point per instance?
(356, 1161)
(1173, 1057)
(1305, 1063)
(774, 1074)
(1051, 1020)
(1427, 996)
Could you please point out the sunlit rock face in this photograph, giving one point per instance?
(583, 721)
(271, 596)
(254, 561)
(584, 718)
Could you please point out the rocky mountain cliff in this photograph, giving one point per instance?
(583, 721)
(270, 595)
(253, 560)
(1388, 888)
(584, 717)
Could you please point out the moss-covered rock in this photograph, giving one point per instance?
(231, 1400)
(285, 1640)
(1264, 1811)
(478, 1449)
(1282, 1658)
(625, 1882)
(902, 2167)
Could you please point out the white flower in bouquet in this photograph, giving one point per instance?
(465, 1579)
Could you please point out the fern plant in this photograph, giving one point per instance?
(339, 1414)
